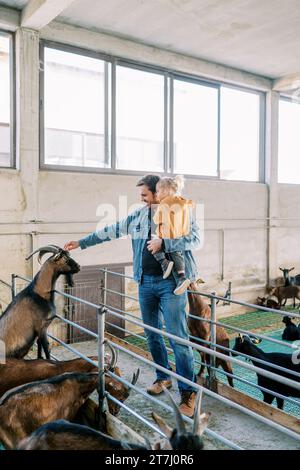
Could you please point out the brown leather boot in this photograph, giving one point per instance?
(157, 387)
(187, 404)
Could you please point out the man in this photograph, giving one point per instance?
(156, 295)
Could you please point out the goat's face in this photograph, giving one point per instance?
(117, 389)
(64, 264)
(243, 343)
(261, 301)
(288, 320)
(286, 271)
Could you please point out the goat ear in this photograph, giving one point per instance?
(291, 269)
(203, 422)
(162, 424)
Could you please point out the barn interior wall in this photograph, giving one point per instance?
(40, 207)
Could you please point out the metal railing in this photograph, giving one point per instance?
(213, 343)
(101, 311)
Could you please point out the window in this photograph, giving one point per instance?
(288, 142)
(195, 144)
(139, 120)
(6, 131)
(110, 115)
(74, 116)
(240, 135)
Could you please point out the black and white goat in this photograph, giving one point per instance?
(32, 310)
(290, 280)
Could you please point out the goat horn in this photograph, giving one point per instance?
(43, 250)
(135, 377)
(197, 412)
(200, 420)
(179, 420)
(114, 357)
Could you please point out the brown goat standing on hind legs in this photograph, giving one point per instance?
(32, 310)
(201, 329)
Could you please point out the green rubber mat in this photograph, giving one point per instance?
(263, 322)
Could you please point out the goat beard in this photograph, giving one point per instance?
(69, 279)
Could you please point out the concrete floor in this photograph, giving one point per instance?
(232, 424)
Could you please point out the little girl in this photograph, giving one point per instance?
(172, 219)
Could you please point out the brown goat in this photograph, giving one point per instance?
(266, 302)
(201, 329)
(24, 409)
(28, 316)
(18, 372)
(61, 435)
(283, 293)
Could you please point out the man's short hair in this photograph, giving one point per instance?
(150, 181)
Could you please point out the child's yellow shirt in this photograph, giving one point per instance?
(172, 217)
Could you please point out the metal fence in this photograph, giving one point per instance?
(101, 310)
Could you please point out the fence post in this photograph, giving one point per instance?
(13, 286)
(105, 287)
(213, 339)
(101, 373)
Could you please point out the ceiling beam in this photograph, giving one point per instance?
(287, 83)
(39, 13)
(9, 19)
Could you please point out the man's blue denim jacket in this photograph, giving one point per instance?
(137, 226)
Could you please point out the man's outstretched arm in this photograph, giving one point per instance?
(110, 232)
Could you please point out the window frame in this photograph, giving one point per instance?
(262, 132)
(87, 53)
(289, 99)
(196, 81)
(12, 114)
(142, 68)
(110, 118)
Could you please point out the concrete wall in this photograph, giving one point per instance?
(39, 207)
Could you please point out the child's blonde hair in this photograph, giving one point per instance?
(176, 183)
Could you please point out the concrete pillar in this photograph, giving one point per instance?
(272, 106)
(27, 100)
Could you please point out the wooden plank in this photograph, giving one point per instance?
(130, 347)
(114, 427)
(117, 429)
(260, 407)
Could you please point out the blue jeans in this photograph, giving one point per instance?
(158, 302)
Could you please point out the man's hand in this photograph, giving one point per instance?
(154, 245)
(72, 245)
